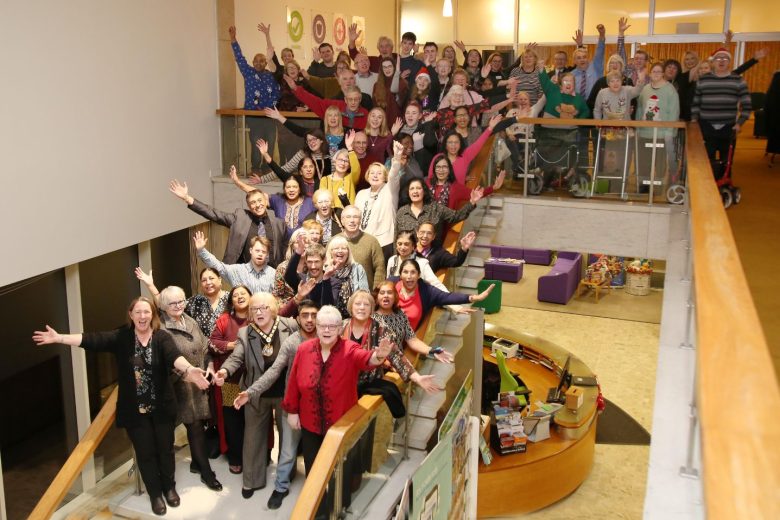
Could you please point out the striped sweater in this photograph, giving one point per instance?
(721, 100)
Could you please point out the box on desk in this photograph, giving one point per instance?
(508, 348)
(574, 398)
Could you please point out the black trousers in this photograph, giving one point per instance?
(311, 443)
(234, 434)
(717, 142)
(196, 435)
(152, 439)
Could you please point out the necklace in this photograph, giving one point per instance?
(267, 339)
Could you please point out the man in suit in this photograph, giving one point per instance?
(243, 223)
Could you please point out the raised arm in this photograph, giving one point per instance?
(246, 188)
(148, 281)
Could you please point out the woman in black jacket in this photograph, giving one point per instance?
(146, 406)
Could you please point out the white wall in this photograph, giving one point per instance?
(102, 103)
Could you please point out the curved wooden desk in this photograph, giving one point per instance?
(552, 469)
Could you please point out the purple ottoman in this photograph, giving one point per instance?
(504, 271)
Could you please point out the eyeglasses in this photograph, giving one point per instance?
(328, 326)
(342, 160)
(179, 303)
(260, 308)
(721, 58)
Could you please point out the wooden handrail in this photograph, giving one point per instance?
(342, 435)
(741, 462)
(78, 458)
(260, 113)
(551, 121)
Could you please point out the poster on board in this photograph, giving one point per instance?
(432, 484)
(321, 27)
(340, 35)
(361, 27)
(296, 30)
(456, 427)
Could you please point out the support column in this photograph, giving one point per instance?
(79, 368)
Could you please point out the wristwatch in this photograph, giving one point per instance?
(434, 351)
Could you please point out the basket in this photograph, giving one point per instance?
(637, 284)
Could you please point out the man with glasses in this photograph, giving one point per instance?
(721, 105)
(256, 274)
(257, 348)
(244, 224)
(286, 469)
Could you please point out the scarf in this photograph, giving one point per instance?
(351, 117)
(367, 207)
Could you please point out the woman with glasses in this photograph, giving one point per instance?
(257, 347)
(192, 404)
(325, 215)
(345, 175)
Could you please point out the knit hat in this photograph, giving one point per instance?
(423, 72)
(722, 50)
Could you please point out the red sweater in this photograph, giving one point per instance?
(321, 392)
(319, 105)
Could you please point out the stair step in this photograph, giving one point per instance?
(495, 202)
(452, 324)
(427, 405)
(475, 261)
(420, 431)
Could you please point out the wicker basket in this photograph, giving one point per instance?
(637, 284)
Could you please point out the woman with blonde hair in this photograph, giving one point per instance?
(380, 140)
(347, 276)
(345, 175)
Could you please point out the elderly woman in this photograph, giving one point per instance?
(230, 422)
(379, 203)
(204, 308)
(615, 64)
(447, 191)
(459, 96)
(345, 175)
(323, 380)
(525, 72)
(326, 215)
(146, 407)
(420, 206)
(347, 275)
(367, 331)
(257, 347)
(193, 405)
(416, 298)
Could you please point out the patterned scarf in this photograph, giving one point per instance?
(345, 291)
(367, 207)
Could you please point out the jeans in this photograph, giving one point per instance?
(288, 455)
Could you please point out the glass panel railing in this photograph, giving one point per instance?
(615, 160)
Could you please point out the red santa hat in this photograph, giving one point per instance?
(722, 50)
(423, 72)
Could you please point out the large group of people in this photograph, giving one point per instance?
(331, 278)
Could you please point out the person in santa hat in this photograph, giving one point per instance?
(721, 105)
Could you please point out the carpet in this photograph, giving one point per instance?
(617, 427)
(615, 304)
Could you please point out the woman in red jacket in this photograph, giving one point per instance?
(445, 187)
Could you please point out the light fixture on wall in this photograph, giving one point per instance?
(446, 10)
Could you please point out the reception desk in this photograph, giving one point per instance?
(552, 469)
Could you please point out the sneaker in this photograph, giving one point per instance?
(275, 502)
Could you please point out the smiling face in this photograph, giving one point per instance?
(292, 70)
(404, 246)
(425, 235)
(360, 144)
(559, 60)
(496, 63)
(307, 320)
(240, 299)
(375, 176)
(257, 204)
(567, 84)
(326, 53)
(721, 63)
(670, 72)
(332, 119)
(141, 316)
(691, 60)
(363, 64)
(175, 306)
(314, 143)
(443, 67)
(581, 59)
(462, 117)
(287, 55)
(341, 162)
(353, 101)
(210, 283)
(452, 145)
(324, 204)
(473, 58)
(375, 119)
(339, 251)
(657, 74)
(361, 307)
(460, 78)
(409, 277)
(422, 83)
(259, 62)
(388, 69)
(441, 170)
(346, 79)
(529, 60)
(314, 235)
(412, 115)
(314, 265)
(704, 68)
(306, 169)
(292, 190)
(406, 47)
(416, 191)
(262, 311)
(523, 100)
(449, 53)
(614, 84)
(328, 330)
(350, 219)
(385, 46)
